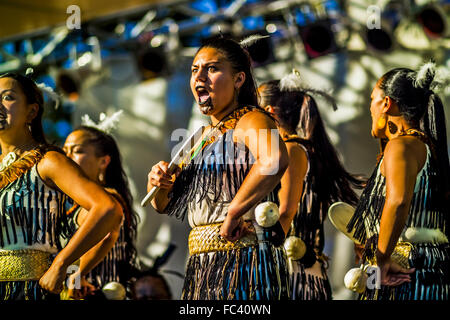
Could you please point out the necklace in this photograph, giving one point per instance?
(17, 168)
(408, 132)
(228, 122)
(412, 132)
(8, 160)
(287, 137)
(12, 156)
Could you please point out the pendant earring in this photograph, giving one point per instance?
(101, 177)
(392, 127)
(381, 122)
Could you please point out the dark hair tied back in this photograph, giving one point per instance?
(240, 61)
(422, 108)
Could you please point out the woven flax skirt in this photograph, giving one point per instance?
(248, 269)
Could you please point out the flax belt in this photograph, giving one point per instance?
(400, 255)
(206, 238)
(22, 265)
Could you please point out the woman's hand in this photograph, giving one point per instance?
(52, 280)
(234, 228)
(85, 287)
(159, 176)
(392, 274)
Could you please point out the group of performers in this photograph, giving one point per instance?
(74, 206)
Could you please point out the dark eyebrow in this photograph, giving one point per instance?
(75, 145)
(7, 90)
(213, 62)
(209, 63)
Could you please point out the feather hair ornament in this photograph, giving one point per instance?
(250, 40)
(44, 88)
(50, 93)
(327, 96)
(292, 82)
(425, 75)
(105, 124)
(441, 79)
(431, 77)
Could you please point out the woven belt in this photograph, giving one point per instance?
(400, 255)
(206, 238)
(22, 265)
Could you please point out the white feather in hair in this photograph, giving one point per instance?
(49, 91)
(432, 77)
(424, 74)
(441, 79)
(106, 124)
(291, 82)
(250, 40)
(87, 121)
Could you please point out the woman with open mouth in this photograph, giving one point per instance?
(234, 169)
(35, 178)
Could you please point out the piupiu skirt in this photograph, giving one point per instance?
(430, 280)
(24, 290)
(257, 272)
(309, 283)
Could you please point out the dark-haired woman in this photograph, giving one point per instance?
(113, 259)
(314, 180)
(35, 179)
(403, 213)
(224, 181)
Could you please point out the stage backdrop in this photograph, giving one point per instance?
(154, 108)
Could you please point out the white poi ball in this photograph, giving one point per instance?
(267, 214)
(114, 291)
(356, 279)
(295, 247)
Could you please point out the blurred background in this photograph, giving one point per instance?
(135, 55)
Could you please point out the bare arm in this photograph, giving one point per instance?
(292, 184)
(260, 135)
(104, 213)
(89, 261)
(401, 167)
(97, 253)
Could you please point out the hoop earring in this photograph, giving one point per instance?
(392, 127)
(381, 122)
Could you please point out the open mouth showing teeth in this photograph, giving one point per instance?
(203, 95)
